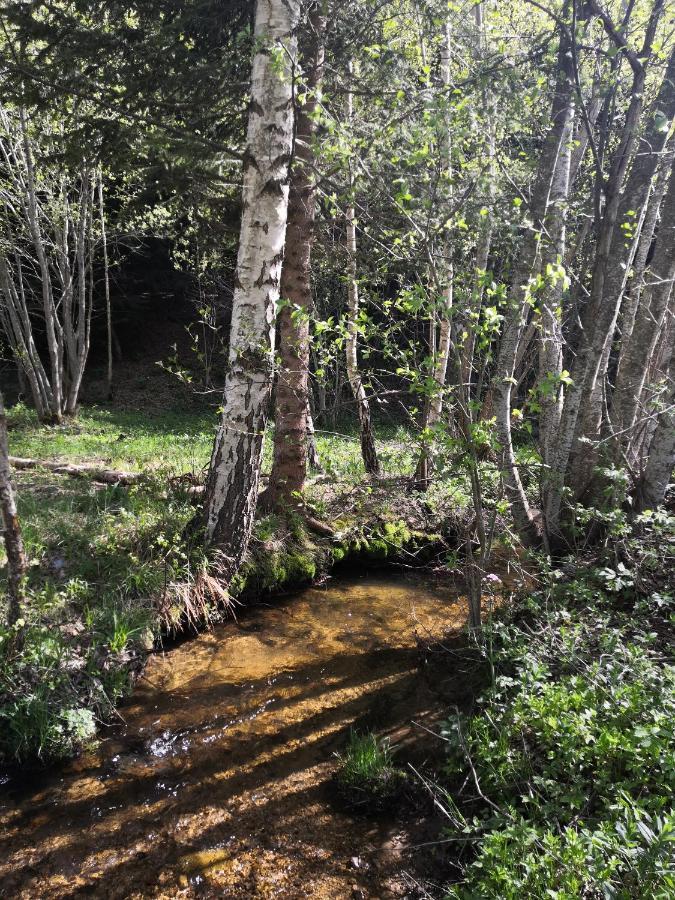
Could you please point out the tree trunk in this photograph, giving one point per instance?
(599, 321)
(527, 267)
(16, 556)
(486, 224)
(109, 389)
(313, 458)
(440, 350)
(553, 257)
(648, 324)
(368, 450)
(289, 466)
(46, 284)
(661, 460)
(637, 213)
(234, 473)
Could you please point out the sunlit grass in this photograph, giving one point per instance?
(133, 440)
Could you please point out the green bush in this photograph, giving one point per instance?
(562, 782)
(46, 711)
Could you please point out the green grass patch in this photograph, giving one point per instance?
(367, 778)
(132, 440)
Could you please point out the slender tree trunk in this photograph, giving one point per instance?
(527, 267)
(644, 246)
(313, 458)
(649, 322)
(599, 321)
(553, 257)
(53, 330)
(47, 277)
(638, 209)
(486, 224)
(109, 389)
(234, 474)
(16, 556)
(661, 459)
(368, 450)
(77, 345)
(440, 350)
(289, 466)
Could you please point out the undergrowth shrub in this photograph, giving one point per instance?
(104, 566)
(562, 782)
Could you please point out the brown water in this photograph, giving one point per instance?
(217, 783)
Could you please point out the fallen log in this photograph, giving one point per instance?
(74, 470)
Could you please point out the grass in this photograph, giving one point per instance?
(367, 778)
(133, 440)
(180, 441)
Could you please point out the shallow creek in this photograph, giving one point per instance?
(217, 781)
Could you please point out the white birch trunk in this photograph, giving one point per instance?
(48, 224)
(106, 287)
(440, 348)
(661, 460)
(649, 322)
(232, 486)
(551, 346)
(604, 304)
(527, 267)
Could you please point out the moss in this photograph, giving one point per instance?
(289, 556)
(397, 533)
(378, 548)
(239, 582)
(300, 567)
(338, 553)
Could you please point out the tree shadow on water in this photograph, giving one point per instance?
(258, 783)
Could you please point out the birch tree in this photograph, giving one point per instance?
(553, 169)
(649, 323)
(234, 473)
(439, 349)
(46, 271)
(601, 313)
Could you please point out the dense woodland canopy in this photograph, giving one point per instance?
(452, 220)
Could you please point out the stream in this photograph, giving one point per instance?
(217, 781)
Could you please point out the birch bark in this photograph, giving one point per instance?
(106, 288)
(527, 267)
(647, 327)
(440, 348)
(599, 321)
(368, 449)
(234, 473)
(661, 459)
(48, 223)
